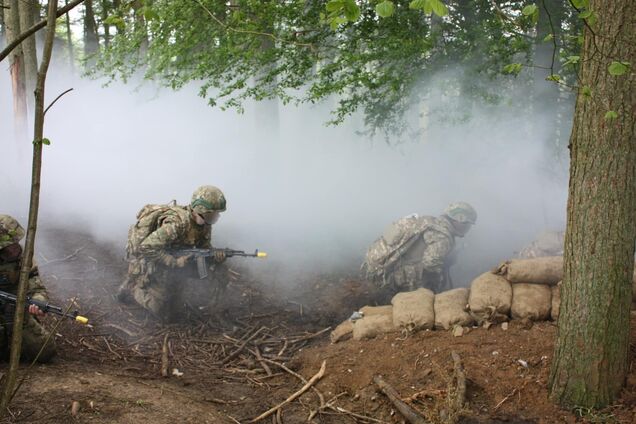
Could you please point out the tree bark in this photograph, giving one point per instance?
(591, 353)
(16, 69)
(27, 258)
(69, 41)
(28, 50)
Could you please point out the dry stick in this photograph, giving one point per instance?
(460, 376)
(257, 353)
(406, 411)
(240, 348)
(300, 377)
(306, 387)
(164, 356)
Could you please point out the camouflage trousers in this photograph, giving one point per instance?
(409, 277)
(161, 293)
(33, 338)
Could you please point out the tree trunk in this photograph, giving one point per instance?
(105, 10)
(91, 40)
(591, 352)
(69, 41)
(16, 68)
(28, 50)
(27, 259)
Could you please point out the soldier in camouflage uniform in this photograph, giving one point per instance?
(34, 335)
(548, 243)
(154, 273)
(418, 251)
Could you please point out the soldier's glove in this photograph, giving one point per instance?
(219, 257)
(173, 262)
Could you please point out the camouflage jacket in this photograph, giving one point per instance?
(548, 243)
(430, 249)
(174, 228)
(10, 276)
(423, 242)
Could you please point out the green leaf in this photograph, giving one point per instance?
(548, 37)
(418, 4)
(513, 68)
(586, 91)
(580, 4)
(385, 9)
(572, 60)
(351, 10)
(46, 141)
(585, 15)
(438, 7)
(334, 5)
(554, 77)
(618, 68)
(611, 115)
(114, 20)
(529, 10)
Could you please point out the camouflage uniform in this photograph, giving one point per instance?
(422, 265)
(153, 278)
(418, 251)
(34, 335)
(548, 243)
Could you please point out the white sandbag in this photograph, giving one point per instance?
(450, 309)
(373, 325)
(414, 310)
(531, 301)
(490, 297)
(556, 302)
(546, 270)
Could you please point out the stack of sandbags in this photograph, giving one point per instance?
(451, 309)
(490, 298)
(532, 281)
(414, 310)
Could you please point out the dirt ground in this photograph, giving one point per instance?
(230, 363)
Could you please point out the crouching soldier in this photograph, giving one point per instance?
(417, 251)
(34, 335)
(156, 271)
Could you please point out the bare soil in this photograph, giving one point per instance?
(228, 363)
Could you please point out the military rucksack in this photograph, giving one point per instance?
(396, 240)
(147, 222)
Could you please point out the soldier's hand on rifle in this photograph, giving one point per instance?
(219, 256)
(34, 310)
(173, 262)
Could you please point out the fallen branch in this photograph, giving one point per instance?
(460, 378)
(406, 411)
(164, 356)
(240, 348)
(306, 387)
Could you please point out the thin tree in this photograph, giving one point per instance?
(27, 261)
(591, 357)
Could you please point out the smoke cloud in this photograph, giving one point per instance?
(313, 197)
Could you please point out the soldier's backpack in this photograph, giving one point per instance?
(147, 222)
(396, 240)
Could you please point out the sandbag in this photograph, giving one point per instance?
(547, 270)
(556, 302)
(531, 301)
(373, 325)
(450, 309)
(376, 310)
(414, 310)
(490, 297)
(342, 331)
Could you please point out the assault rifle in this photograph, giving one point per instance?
(201, 256)
(44, 307)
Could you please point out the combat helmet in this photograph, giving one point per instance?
(207, 198)
(461, 212)
(10, 231)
